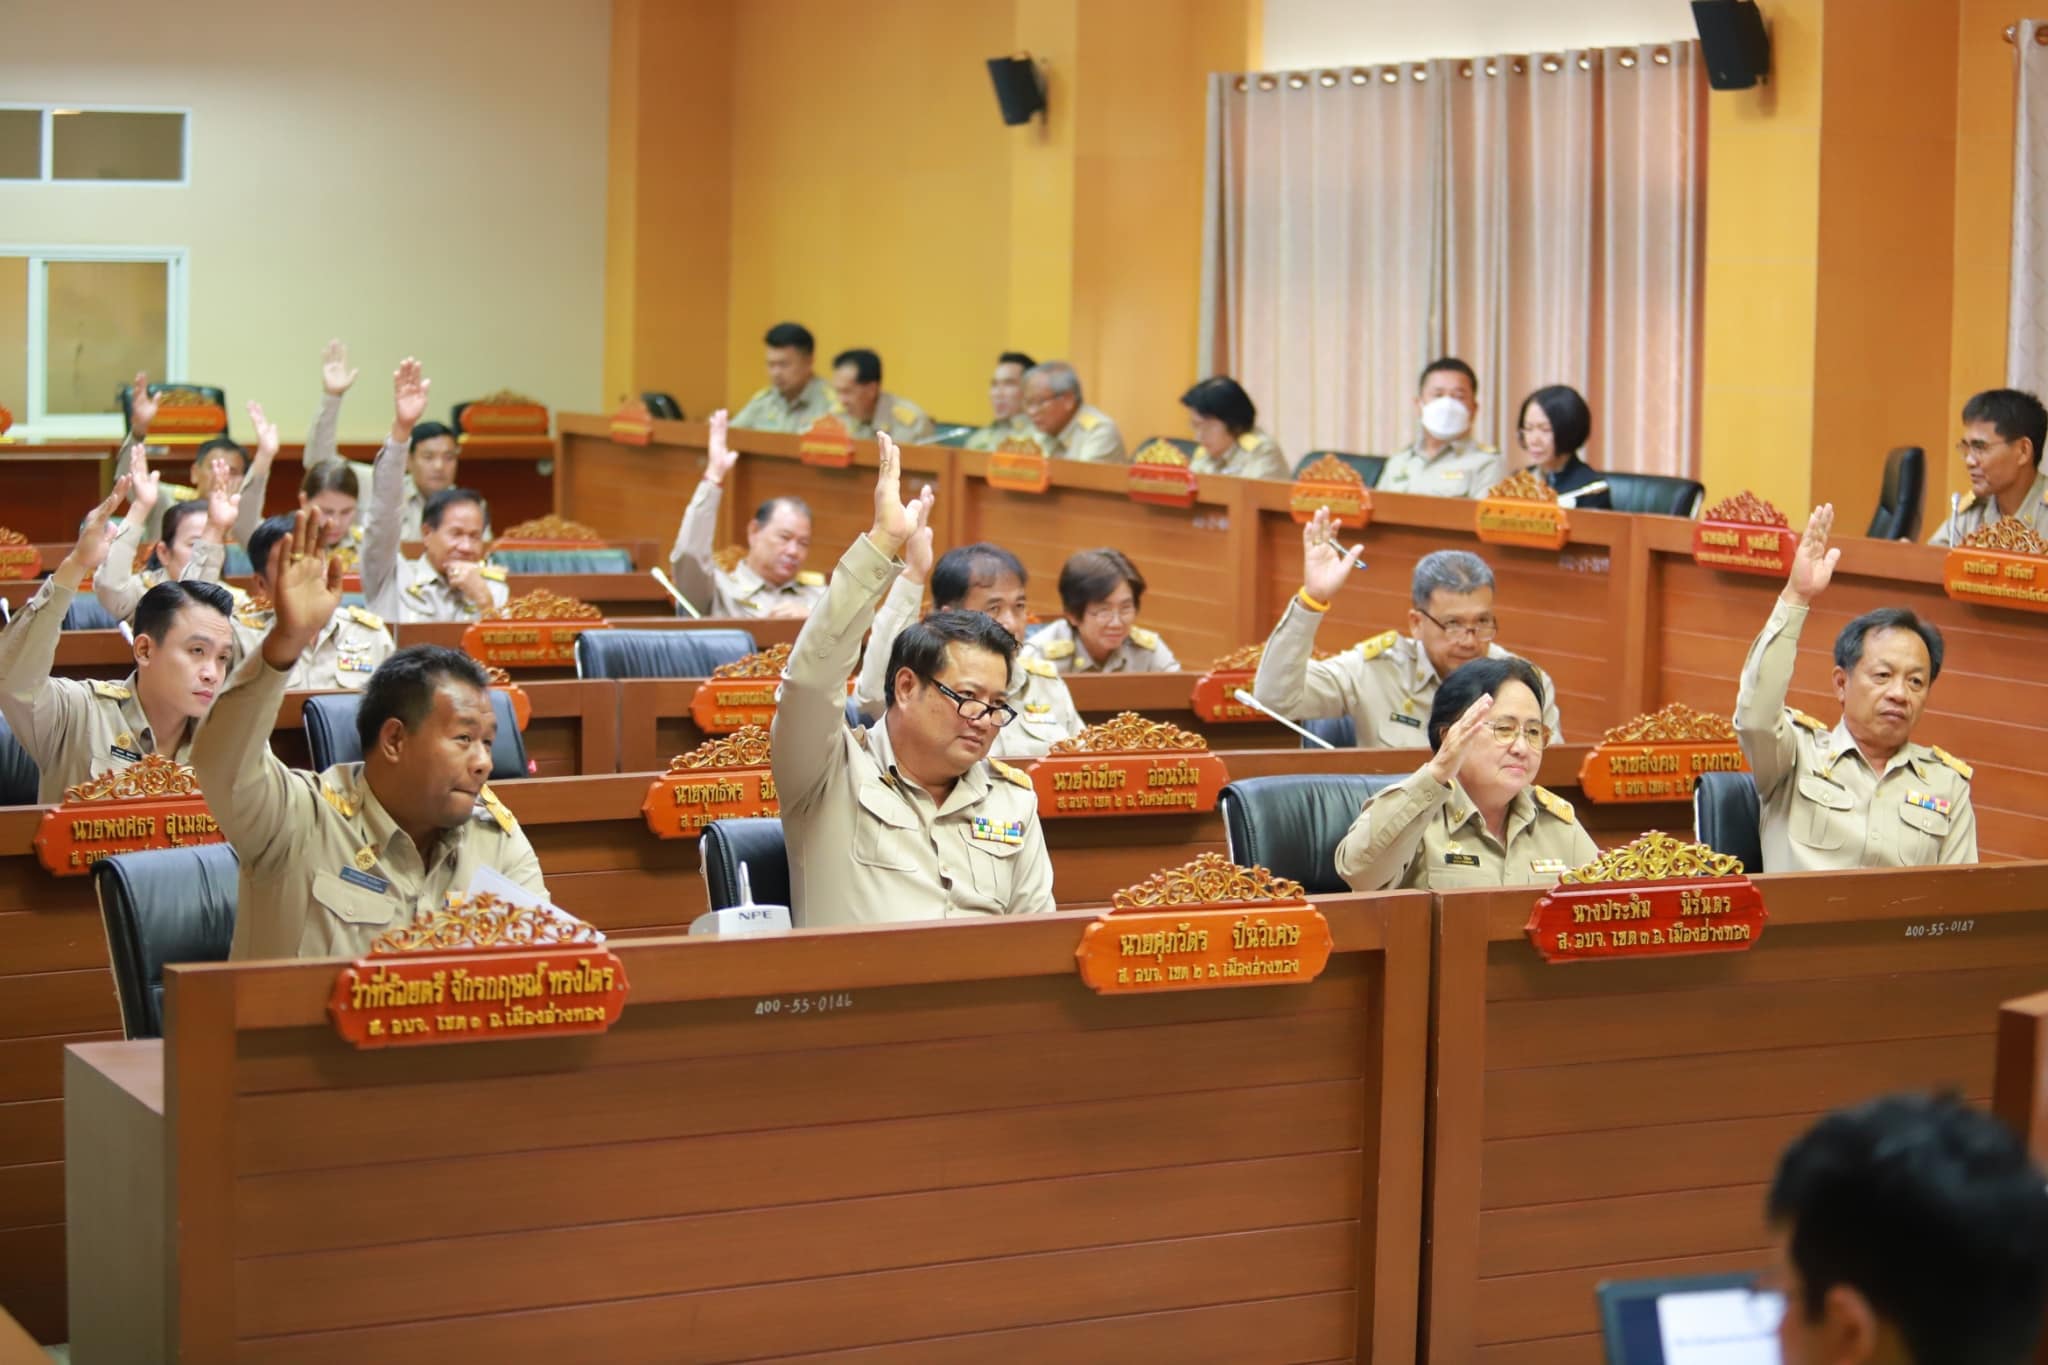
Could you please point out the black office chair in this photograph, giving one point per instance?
(1656, 494)
(86, 613)
(163, 906)
(1340, 731)
(597, 559)
(1368, 466)
(1726, 817)
(662, 407)
(658, 653)
(857, 720)
(20, 778)
(331, 734)
(1291, 825)
(756, 844)
(1898, 502)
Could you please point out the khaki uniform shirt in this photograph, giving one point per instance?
(1823, 809)
(768, 410)
(1385, 684)
(866, 844)
(1091, 435)
(119, 587)
(324, 447)
(75, 731)
(1978, 513)
(1255, 456)
(1463, 469)
(1141, 652)
(902, 419)
(1421, 835)
(344, 656)
(737, 593)
(1045, 709)
(409, 590)
(1015, 427)
(325, 870)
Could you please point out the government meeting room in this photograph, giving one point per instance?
(1087, 682)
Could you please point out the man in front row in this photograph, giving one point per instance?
(1385, 684)
(347, 649)
(1859, 793)
(908, 819)
(332, 860)
(770, 580)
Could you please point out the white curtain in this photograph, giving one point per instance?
(2026, 348)
(1537, 216)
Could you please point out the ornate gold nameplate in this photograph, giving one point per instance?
(18, 558)
(537, 630)
(1213, 700)
(741, 693)
(633, 424)
(826, 444)
(186, 417)
(1659, 756)
(151, 804)
(1205, 925)
(1331, 483)
(1744, 534)
(2003, 565)
(548, 533)
(1656, 897)
(1019, 466)
(723, 779)
(504, 415)
(1159, 473)
(1522, 510)
(1127, 765)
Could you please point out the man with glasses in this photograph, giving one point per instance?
(2003, 430)
(908, 819)
(1067, 426)
(1385, 684)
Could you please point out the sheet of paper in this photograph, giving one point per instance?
(488, 880)
(1718, 1327)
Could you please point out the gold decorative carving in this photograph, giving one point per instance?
(507, 398)
(180, 396)
(1330, 469)
(1160, 451)
(1128, 732)
(1748, 508)
(550, 527)
(1524, 485)
(484, 921)
(1674, 723)
(746, 747)
(769, 663)
(155, 775)
(1209, 880)
(1020, 445)
(2012, 535)
(1655, 857)
(542, 605)
(729, 558)
(1243, 659)
(8, 537)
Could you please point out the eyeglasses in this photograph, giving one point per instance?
(1531, 733)
(1979, 448)
(1102, 614)
(974, 708)
(1485, 628)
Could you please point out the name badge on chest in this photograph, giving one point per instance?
(1548, 867)
(366, 880)
(1399, 719)
(998, 831)
(129, 754)
(1454, 858)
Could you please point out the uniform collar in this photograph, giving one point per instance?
(811, 392)
(1459, 812)
(2036, 498)
(141, 738)
(971, 787)
(1840, 744)
(1463, 445)
(1066, 436)
(751, 583)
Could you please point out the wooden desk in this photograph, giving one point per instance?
(2018, 1095)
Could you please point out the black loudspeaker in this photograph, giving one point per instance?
(1733, 42)
(1018, 89)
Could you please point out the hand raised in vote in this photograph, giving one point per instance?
(896, 521)
(95, 536)
(335, 374)
(1813, 563)
(142, 405)
(719, 458)
(917, 555)
(1325, 564)
(266, 434)
(141, 480)
(223, 501)
(306, 591)
(1451, 750)
(409, 388)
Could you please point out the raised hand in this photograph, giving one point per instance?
(96, 535)
(223, 501)
(266, 434)
(917, 555)
(896, 521)
(142, 405)
(1813, 563)
(719, 460)
(1324, 564)
(409, 388)
(141, 480)
(306, 590)
(1457, 741)
(335, 374)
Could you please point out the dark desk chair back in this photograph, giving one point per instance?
(163, 906)
(658, 653)
(1291, 824)
(331, 734)
(756, 844)
(86, 613)
(1726, 817)
(20, 778)
(1898, 501)
(1656, 494)
(1340, 731)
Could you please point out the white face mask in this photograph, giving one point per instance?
(1446, 418)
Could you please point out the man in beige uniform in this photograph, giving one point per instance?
(1006, 404)
(794, 397)
(2003, 431)
(907, 819)
(858, 401)
(1444, 461)
(1066, 426)
(142, 410)
(192, 550)
(770, 580)
(1861, 794)
(1385, 684)
(332, 860)
(1140, 651)
(345, 652)
(76, 731)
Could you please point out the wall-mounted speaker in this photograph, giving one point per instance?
(1019, 90)
(1733, 42)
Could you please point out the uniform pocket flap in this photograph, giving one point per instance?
(1822, 792)
(888, 807)
(1924, 820)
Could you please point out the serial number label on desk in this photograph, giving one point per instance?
(803, 1004)
(1940, 928)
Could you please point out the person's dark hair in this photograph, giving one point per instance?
(1849, 644)
(1092, 575)
(1451, 364)
(1571, 421)
(219, 445)
(1932, 1212)
(158, 610)
(438, 505)
(867, 366)
(1223, 398)
(175, 515)
(1015, 358)
(965, 566)
(1469, 682)
(791, 334)
(2014, 413)
(921, 645)
(427, 431)
(268, 532)
(404, 685)
(330, 478)
(766, 511)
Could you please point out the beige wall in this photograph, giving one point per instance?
(420, 179)
(1301, 33)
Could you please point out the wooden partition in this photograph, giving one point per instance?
(1609, 1120)
(2019, 1095)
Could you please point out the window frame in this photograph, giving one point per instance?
(48, 169)
(38, 423)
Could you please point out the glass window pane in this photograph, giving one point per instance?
(104, 321)
(14, 336)
(21, 144)
(89, 145)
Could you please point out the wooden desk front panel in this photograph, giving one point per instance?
(1623, 1119)
(50, 489)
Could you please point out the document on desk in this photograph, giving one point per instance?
(488, 880)
(1719, 1327)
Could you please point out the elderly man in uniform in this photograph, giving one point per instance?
(858, 401)
(2003, 430)
(331, 860)
(450, 581)
(1387, 683)
(1006, 404)
(348, 648)
(1100, 593)
(794, 397)
(909, 818)
(75, 730)
(771, 579)
(1444, 461)
(1860, 793)
(1068, 428)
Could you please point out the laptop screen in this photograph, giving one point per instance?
(1698, 1320)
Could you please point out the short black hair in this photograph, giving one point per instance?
(1571, 421)
(1223, 398)
(268, 532)
(960, 568)
(921, 645)
(766, 511)
(867, 366)
(791, 334)
(2014, 413)
(1849, 644)
(1932, 1212)
(1469, 682)
(404, 685)
(216, 446)
(427, 431)
(1015, 358)
(438, 505)
(1449, 363)
(330, 478)
(175, 515)
(1092, 575)
(159, 607)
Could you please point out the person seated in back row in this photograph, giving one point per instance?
(2003, 432)
(222, 452)
(1444, 460)
(1066, 425)
(794, 397)
(1100, 592)
(194, 534)
(345, 652)
(1007, 421)
(1225, 424)
(770, 580)
(859, 402)
(1554, 426)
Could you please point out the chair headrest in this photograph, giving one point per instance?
(331, 735)
(758, 844)
(658, 653)
(160, 907)
(1291, 824)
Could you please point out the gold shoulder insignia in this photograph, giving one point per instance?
(254, 617)
(1056, 649)
(1552, 802)
(491, 803)
(1039, 667)
(1377, 645)
(1813, 723)
(1248, 441)
(342, 804)
(1946, 757)
(178, 492)
(363, 617)
(1005, 771)
(904, 413)
(809, 578)
(492, 572)
(1968, 503)
(1143, 638)
(1087, 421)
(112, 691)
(1484, 449)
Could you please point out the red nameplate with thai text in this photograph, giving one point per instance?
(73, 836)
(1513, 521)
(1018, 471)
(1618, 773)
(1213, 700)
(1996, 578)
(826, 444)
(488, 419)
(1331, 483)
(680, 804)
(1742, 547)
(473, 996)
(187, 424)
(526, 644)
(633, 424)
(1166, 485)
(1175, 782)
(1204, 947)
(18, 557)
(723, 705)
(1604, 920)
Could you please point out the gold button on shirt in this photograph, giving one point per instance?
(1421, 835)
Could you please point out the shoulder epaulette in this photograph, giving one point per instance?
(177, 492)
(1004, 770)
(364, 617)
(1143, 638)
(1087, 421)
(254, 617)
(1813, 723)
(1968, 503)
(809, 578)
(1946, 757)
(492, 572)
(499, 812)
(1056, 649)
(112, 691)
(759, 394)
(1248, 441)
(1553, 803)
(904, 413)
(1377, 645)
(342, 803)
(1484, 449)
(1039, 668)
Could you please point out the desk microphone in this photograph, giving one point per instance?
(1955, 509)
(675, 592)
(1249, 700)
(1571, 499)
